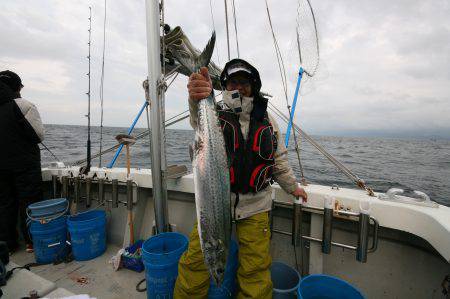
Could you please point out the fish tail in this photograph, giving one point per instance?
(193, 64)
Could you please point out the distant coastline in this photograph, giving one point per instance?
(393, 134)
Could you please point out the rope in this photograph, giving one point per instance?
(163, 39)
(228, 33)
(284, 81)
(54, 156)
(214, 27)
(102, 80)
(173, 79)
(235, 27)
(27, 267)
(346, 171)
(278, 54)
(179, 117)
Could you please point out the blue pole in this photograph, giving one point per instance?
(294, 103)
(111, 164)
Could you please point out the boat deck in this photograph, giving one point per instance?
(95, 277)
(98, 279)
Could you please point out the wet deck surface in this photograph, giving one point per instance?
(95, 277)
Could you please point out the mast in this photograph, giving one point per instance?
(156, 113)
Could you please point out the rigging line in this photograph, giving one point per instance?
(327, 155)
(214, 27)
(177, 115)
(339, 165)
(279, 57)
(297, 149)
(173, 71)
(284, 81)
(173, 79)
(102, 80)
(176, 121)
(54, 156)
(168, 122)
(228, 33)
(139, 136)
(163, 39)
(235, 27)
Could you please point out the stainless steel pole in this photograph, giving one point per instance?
(157, 147)
(363, 238)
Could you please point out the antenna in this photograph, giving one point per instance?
(88, 115)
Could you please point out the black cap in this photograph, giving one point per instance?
(11, 79)
(239, 65)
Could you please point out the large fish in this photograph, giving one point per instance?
(211, 176)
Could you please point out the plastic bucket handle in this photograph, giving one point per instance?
(47, 219)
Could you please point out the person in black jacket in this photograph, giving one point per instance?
(21, 131)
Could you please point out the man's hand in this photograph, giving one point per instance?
(200, 85)
(300, 192)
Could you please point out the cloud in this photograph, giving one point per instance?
(384, 65)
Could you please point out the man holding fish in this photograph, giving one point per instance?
(255, 157)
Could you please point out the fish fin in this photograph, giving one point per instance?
(194, 64)
(198, 143)
(195, 147)
(191, 151)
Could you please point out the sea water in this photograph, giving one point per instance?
(383, 163)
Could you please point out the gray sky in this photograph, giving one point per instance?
(385, 65)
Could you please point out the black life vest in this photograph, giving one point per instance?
(251, 162)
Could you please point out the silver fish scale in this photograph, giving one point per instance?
(212, 189)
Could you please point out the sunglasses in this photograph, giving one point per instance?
(238, 82)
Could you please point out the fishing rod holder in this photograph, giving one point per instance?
(364, 220)
(75, 184)
(329, 214)
(55, 185)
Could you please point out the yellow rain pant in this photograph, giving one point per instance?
(253, 274)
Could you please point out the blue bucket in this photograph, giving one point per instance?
(49, 240)
(160, 255)
(47, 209)
(285, 279)
(229, 285)
(319, 286)
(87, 234)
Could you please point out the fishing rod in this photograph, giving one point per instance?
(54, 156)
(86, 169)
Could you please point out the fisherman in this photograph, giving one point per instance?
(21, 130)
(257, 157)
